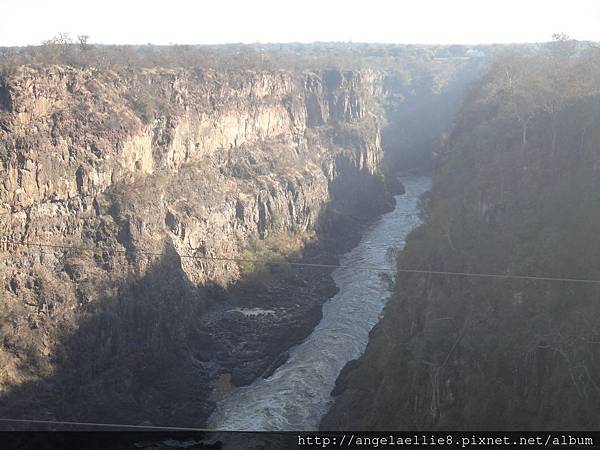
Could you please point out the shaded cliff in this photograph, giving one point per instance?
(421, 106)
(515, 193)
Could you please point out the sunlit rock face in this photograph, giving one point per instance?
(212, 158)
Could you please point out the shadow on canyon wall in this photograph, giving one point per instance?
(152, 353)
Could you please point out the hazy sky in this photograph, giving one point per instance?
(219, 21)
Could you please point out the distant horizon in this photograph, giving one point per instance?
(307, 43)
(187, 22)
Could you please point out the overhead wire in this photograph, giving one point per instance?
(103, 425)
(314, 265)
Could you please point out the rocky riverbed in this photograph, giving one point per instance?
(298, 393)
(248, 336)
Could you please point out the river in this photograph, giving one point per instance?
(297, 395)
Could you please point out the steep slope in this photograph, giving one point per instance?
(112, 179)
(421, 106)
(515, 193)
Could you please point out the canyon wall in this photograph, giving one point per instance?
(78, 146)
(118, 187)
(515, 193)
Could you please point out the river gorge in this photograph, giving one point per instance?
(142, 209)
(297, 395)
(299, 237)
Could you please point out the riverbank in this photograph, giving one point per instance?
(297, 394)
(249, 334)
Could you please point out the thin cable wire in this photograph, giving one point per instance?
(105, 425)
(318, 265)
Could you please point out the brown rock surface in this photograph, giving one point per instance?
(136, 171)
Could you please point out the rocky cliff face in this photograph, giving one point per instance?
(112, 180)
(70, 136)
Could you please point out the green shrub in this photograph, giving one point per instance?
(266, 256)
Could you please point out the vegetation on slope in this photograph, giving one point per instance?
(516, 192)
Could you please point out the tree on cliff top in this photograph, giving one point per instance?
(62, 49)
